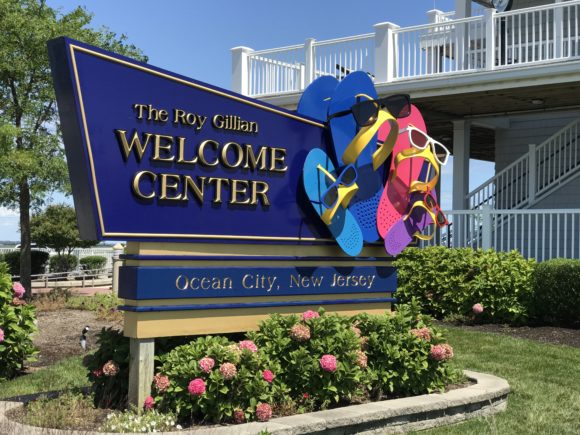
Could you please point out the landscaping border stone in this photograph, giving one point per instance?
(487, 396)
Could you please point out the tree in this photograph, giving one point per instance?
(56, 228)
(31, 154)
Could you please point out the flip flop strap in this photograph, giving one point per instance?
(364, 137)
(427, 154)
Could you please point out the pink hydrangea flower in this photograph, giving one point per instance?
(110, 368)
(268, 376)
(1, 335)
(239, 416)
(356, 331)
(263, 412)
(18, 290)
(248, 344)
(206, 364)
(300, 332)
(196, 387)
(422, 333)
(477, 309)
(149, 403)
(328, 363)
(228, 370)
(441, 352)
(306, 315)
(161, 382)
(361, 359)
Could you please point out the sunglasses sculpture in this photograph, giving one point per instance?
(366, 131)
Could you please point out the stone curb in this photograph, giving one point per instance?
(488, 396)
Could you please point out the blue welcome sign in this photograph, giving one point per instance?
(154, 155)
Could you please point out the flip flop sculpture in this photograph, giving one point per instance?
(372, 140)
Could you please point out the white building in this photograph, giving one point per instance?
(497, 86)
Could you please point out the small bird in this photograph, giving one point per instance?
(83, 340)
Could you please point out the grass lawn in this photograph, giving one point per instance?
(66, 374)
(544, 381)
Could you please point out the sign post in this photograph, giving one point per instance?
(205, 185)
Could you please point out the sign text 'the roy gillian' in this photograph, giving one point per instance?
(208, 153)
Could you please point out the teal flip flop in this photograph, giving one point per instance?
(343, 129)
(316, 98)
(344, 227)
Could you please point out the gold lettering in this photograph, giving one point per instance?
(182, 287)
(218, 188)
(218, 121)
(137, 190)
(166, 148)
(251, 160)
(201, 154)
(294, 281)
(224, 155)
(239, 187)
(191, 284)
(135, 142)
(262, 192)
(180, 148)
(197, 191)
(248, 276)
(205, 283)
(278, 155)
(165, 185)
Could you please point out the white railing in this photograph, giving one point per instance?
(445, 46)
(79, 253)
(338, 57)
(539, 234)
(276, 71)
(440, 48)
(534, 175)
(77, 278)
(537, 34)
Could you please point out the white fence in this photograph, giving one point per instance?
(445, 46)
(79, 253)
(539, 234)
(534, 175)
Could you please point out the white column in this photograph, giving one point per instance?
(559, 30)
(532, 166)
(117, 262)
(461, 150)
(385, 52)
(490, 39)
(241, 70)
(309, 65)
(141, 359)
(486, 226)
(462, 9)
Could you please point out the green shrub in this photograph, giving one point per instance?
(398, 351)
(231, 380)
(109, 369)
(93, 262)
(38, 262)
(556, 298)
(298, 344)
(17, 323)
(448, 282)
(63, 263)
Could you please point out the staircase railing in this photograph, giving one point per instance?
(534, 175)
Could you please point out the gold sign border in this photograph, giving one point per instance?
(104, 233)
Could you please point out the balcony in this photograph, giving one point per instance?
(446, 47)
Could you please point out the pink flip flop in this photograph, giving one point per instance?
(394, 201)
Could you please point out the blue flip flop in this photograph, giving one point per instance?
(343, 129)
(344, 227)
(315, 99)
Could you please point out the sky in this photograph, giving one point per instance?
(194, 38)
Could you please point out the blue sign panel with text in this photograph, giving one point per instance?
(158, 156)
(142, 283)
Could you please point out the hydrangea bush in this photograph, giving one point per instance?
(319, 355)
(216, 380)
(17, 324)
